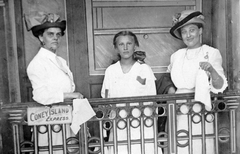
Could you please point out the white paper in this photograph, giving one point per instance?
(82, 112)
(202, 89)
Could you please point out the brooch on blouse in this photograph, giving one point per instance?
(206, 56)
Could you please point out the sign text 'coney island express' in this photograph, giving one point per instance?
(49, 115)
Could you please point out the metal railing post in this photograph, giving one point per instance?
(233, 130)
(16, 139)
(172, 146)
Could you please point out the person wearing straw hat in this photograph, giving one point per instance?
(51, 78)
(196, 68)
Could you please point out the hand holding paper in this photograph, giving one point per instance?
(202, 89)
(82, 112)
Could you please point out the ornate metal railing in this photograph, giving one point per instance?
(150, 112)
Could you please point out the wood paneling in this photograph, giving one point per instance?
(23, 79)
(218, 28)
(235, 46)
(207, 12)
(77, 38)
(150, 20)
(6, 64)
(4, 90)
(12, 52)
(225, 37)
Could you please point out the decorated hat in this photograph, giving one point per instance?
(184, 18)
(37, 21)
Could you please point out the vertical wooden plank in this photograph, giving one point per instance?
(219, 29)
(12, 57)
(20, 50)
(207, 12)
(236, 43)
(78, 52)
(21, 61)
(236, 60)
(3, 74)
(6, 133)
(229, 55)
(4, 96)
(77, 38)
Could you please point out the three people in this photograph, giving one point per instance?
(195, 67)
(51, 78)
(129, 77)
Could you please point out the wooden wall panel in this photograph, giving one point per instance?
(9, 87)
(12, 52)
(78, 53)
(219, 28)
(150, 20)
(235, 46)
(4, 86)
(158, 48)
(4, 90)
(137, 17)
(226, 34)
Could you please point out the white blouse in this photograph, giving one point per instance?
(48, 80)
(119, 84)
(184, 66)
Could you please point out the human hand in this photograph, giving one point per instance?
(171, 90)
(79, 95)
(73, 95)
(206, 66)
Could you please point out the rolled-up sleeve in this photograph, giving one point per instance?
(216, 60)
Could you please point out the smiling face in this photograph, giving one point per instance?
(125, 46)
(191, 35)
(51, 38)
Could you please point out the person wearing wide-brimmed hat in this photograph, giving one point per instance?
(196, 68)
(51, 78)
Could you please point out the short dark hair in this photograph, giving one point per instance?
(125, 33)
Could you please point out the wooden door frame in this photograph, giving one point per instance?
(78, 48)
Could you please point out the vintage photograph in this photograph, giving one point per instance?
(119, 77)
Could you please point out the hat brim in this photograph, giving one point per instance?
(36, 29)
(187, 20)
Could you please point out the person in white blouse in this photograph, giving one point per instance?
(195, 68)
(51, 78)
(128, 77)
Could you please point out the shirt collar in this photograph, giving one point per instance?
(47, 53)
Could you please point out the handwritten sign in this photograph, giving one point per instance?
(49, 115)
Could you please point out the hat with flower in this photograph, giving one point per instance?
(37, 21)
(184, 18)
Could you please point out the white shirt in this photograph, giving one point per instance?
(121, 84)
(48, 80)
(139, 81)
(184, 69)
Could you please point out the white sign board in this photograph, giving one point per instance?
(49, 115)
